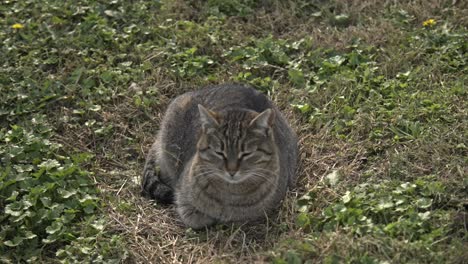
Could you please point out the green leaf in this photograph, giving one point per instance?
(49, 164)
(342, 19)
(46, 201)
(29, 235)
(296, 77)
(337, 60)
(137, 100)
(303, 220)
(107, 76)
(13, 196)
(14, 209)
(17, 240)
(304, 108)
(347, 197)
(293, 258)
(95, 108)
(54, 228)
(384, 204)
(98, 224)
(424, 203)
(425, 215)
(66, 194)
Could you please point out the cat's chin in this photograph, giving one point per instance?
(236, 179)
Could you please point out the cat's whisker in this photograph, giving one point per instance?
(266, 170)
(264, 177)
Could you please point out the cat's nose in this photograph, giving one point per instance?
(232, 166)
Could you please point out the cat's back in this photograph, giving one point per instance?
(222, 97)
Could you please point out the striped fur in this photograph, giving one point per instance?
(222, 154)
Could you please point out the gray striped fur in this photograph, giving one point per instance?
(222, 154)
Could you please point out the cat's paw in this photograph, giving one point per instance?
(153, 188)
(194, 218)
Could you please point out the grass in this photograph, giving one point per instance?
(375, 90)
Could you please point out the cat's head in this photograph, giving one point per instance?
(237, 145)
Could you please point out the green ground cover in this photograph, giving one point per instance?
(375, 89)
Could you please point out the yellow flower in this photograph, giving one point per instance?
(17, 26)
(429, 23)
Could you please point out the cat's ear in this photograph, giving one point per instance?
(264, 120)
(208, 118)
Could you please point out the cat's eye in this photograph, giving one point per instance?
(245, 155)
(219, 153)
(264, 152)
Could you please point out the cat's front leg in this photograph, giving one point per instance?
(192, 217)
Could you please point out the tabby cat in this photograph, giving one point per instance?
(223, 154)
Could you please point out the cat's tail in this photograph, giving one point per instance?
(152, 186)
